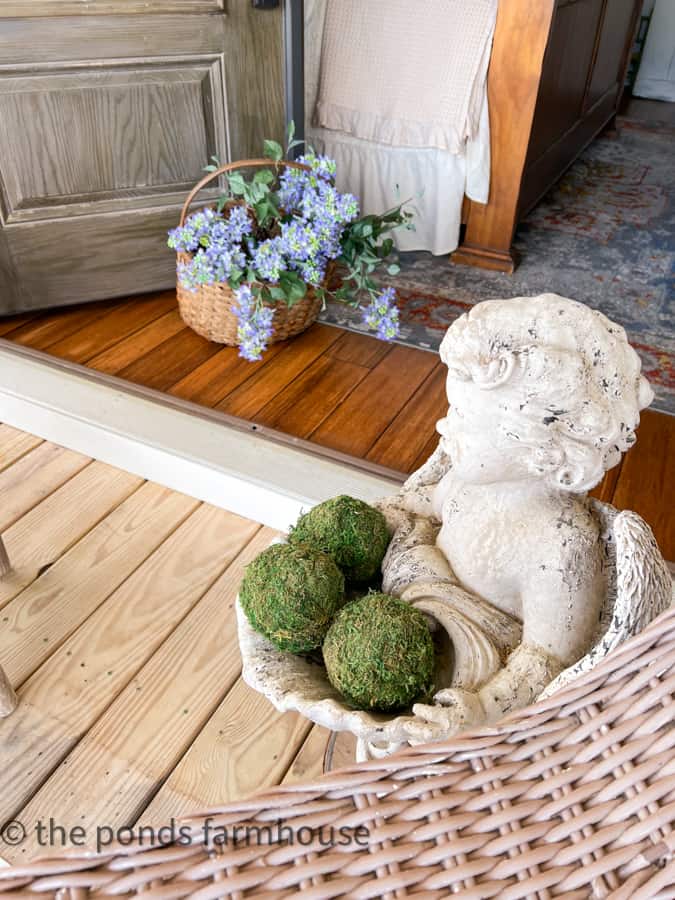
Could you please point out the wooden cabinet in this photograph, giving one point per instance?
(568, 59)
(555, 81)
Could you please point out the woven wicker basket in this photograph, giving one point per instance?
(209, 310)
(572, 798)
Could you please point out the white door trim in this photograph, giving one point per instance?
(182, 446)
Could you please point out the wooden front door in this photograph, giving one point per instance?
(109, 110)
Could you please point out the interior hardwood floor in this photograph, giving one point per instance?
(117, 627)
(337, 389)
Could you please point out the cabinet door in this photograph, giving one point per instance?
(109, 110)
(616, 38)
(567, 64)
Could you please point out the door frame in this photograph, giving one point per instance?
(294, 66)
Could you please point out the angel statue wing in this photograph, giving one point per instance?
(640, 587)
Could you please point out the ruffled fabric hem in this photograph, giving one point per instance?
(396, 132)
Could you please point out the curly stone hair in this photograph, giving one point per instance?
(570, 378)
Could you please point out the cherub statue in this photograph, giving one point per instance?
(495, 537)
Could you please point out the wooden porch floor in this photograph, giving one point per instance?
(339, 390)
(117, 627)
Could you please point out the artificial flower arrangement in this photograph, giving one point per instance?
(275, 238)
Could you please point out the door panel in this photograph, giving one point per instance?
(618, 29)
(111, 134)
(106, 121)
(566, 66)
(106, 7)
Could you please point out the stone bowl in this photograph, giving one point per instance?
(639, 588)
(300, 684)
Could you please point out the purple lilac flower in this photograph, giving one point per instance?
(295, 182)
(298, 241)
(313, 272)
(215, 243)
(224, 261)
(329, 234)
(348, 207)
(324, 200)
(382, 315)
(182, 240)
(220, 234)
(326, 212)
(292, 186)
(195, 232)
(255, 324)
(198, 271)
(314, 236)
(238, 224)
(322, 167)
(268, 260)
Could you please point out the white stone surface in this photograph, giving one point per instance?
(495, 539)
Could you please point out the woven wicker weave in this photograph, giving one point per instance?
(209, 309)
(573, 797)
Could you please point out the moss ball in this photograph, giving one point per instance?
(290, 594)
(379, 653)
(352, 532)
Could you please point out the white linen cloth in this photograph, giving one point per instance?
(382, 175)
(405, 73)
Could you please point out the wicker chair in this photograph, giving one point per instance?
(573, 797)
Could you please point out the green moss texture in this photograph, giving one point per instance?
(379, 654)
(290, 594)
(353, 533)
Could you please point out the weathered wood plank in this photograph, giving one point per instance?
(246, 745)
(34, 477)
(41, 617)
(108, 330)
(425, 452)
(343, 751)
(317, 751)
(308, 763)
(605, 490)
(359, 349)
(137, 345)
(64, 698)
(220, 375)
(143, 735)
(249, 398)
(358, 422)
(646, 483)
(46, 329)
(414, 426)
(11, 323)
(124, 758)
(14, 444)
(165, 365)
(310, 398)
(40, 537)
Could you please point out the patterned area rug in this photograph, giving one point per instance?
(604, 235)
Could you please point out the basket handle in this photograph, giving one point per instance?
(229, 167)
